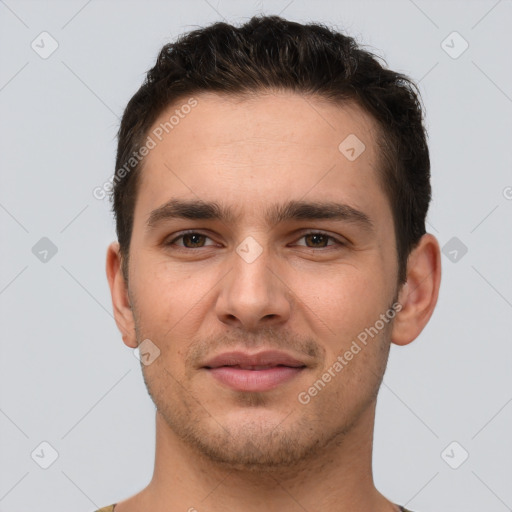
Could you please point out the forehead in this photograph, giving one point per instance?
(284, 118)
(251, 151)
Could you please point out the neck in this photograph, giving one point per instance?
(338, 478)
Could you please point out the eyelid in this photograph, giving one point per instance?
(303, 234)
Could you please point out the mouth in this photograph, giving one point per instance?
(264, 371)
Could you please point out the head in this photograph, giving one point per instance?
(254, 140)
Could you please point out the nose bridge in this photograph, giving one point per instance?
(252, 294)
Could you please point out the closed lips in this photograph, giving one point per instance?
(260, 361)
(261, 372)
(253, 367)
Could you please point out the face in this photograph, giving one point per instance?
(297, 256)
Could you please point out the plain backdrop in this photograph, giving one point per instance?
(71, 393)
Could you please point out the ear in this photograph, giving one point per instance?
(418, 296)
(120, 300)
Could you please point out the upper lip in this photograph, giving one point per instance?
(243, 359)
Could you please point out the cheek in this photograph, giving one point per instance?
(349, 308)
(170, 305)
(345, 300)
(164, 291)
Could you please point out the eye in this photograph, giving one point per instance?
(319, 240)
(196, 240)
(191, 240)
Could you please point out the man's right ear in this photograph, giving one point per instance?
(120, 300)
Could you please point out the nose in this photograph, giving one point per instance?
(253, 294)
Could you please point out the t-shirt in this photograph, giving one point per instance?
(110, 508)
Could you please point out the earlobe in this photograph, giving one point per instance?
(120, 299)
(418, 296)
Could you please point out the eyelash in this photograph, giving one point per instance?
(191, 232)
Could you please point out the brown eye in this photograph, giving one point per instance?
(191, 240)
(195, 239)
(319, 241)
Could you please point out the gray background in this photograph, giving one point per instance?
(66, 377)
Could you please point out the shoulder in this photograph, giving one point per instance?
(110, 508)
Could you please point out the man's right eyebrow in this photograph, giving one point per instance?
(191, 210)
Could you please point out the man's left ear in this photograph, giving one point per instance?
(418, 296)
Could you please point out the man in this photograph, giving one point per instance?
(271, 188)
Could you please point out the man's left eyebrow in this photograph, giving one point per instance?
(316, 210)
(276, 214)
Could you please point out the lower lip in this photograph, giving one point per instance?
(254, 380)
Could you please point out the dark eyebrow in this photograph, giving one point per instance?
(304, 210)
(192, 210)
(292, 210)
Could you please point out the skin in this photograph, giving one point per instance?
(218, 449)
